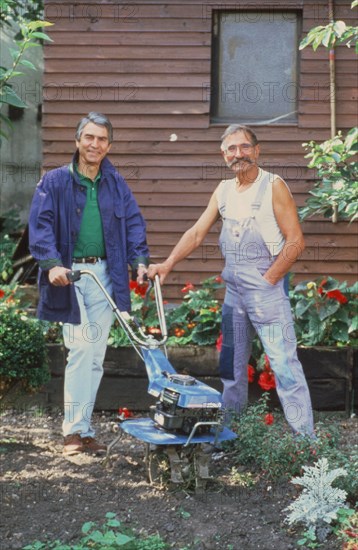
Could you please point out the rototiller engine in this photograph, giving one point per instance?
(175, 411)
(187, 412)
(182, 401)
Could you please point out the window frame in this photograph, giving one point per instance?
(215, 91)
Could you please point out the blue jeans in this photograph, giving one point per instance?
(87, 343)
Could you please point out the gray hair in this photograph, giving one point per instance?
(96, 118)
(234, 128)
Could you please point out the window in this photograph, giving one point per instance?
(255, 67)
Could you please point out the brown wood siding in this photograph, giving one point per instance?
(147, 65)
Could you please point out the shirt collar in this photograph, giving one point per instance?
(84, 179)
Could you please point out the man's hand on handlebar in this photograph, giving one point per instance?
(57, 276)
(158, 269)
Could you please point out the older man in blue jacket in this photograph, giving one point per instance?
(84, 215)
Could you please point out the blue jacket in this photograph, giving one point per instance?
(55, 220)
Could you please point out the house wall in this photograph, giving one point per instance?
(147, 65)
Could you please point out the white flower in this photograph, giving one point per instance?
(338, 185)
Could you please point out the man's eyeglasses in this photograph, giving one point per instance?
(244, 148)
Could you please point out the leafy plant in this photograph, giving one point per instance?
(336, 32)
(9, 224)
(242, 479)
(319, 502)
(348, 460)
(23, 352)
(197, 320)
(29, 10)
(7, 249)
(325, 312)
(335, 194)
(309, 539)
(31, 32)
(346, 528)
(268, 446)
(109, 536)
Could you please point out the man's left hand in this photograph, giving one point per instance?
(141, 273)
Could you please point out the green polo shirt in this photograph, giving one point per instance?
(90, 241)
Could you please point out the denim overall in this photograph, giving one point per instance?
(253, 305)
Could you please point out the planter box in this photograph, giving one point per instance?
(330, 377)
(125, 380)
(329, 373)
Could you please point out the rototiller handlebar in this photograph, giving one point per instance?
(129, 324)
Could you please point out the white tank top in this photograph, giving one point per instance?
(238, 206)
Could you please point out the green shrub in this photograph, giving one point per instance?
(266, 444)
(348, 460)
(23, 353)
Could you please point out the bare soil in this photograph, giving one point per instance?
(46, 496)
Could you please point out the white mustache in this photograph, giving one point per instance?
(235, 161)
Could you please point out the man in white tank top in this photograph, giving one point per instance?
(261, 238)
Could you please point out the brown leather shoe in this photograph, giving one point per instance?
(72, 445)
(90, 445)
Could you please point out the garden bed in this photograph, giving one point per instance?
(45, 495)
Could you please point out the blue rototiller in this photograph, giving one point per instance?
(187, 416)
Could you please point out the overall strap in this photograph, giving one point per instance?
(223, 198)
(256, 203)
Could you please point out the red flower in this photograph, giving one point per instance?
(250, 373)
(320, 289)
(219, 342)
(337, 295)
(140, 290)
(154, 330)
(2, 293)
(219, 279)
(187, 287)
(267, 380)
(124, 413)
(269, 419)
